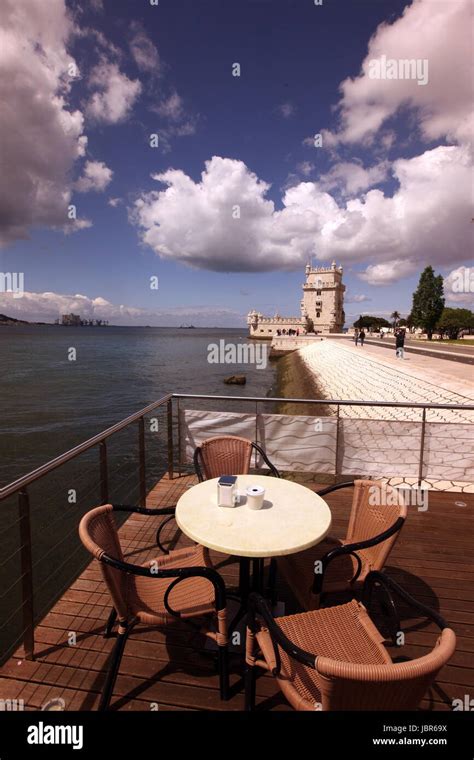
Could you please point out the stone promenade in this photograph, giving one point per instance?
(388, 438)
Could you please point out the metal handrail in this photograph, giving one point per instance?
(324, 401)
(44, 469)
(53, 464)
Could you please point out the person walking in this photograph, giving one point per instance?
(356, 337)
(400, 344)
(362, 338)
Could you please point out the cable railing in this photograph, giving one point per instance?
(20, 488)
(170, 404)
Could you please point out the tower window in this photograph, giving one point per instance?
(318, 292)
(318, 314)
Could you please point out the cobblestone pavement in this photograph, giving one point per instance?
(344, 372)
(347, 372)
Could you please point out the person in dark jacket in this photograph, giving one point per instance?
(362, 338)
(400, 344)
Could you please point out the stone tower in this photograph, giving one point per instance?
(323, 298)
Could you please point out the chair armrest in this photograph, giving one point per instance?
(389, 585)
(163, 524)
(353, 549)
(336, 487)
(179, 573)
(257, 604)
(144, 510)
(269, 464)
(197, 466)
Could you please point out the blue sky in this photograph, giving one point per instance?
(174, 64)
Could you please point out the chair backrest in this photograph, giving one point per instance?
(224, 455)
(376, 506)
(395, 686)
(98, 533)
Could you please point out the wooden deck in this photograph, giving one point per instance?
(433, 559)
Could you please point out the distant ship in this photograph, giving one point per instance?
(187, 327)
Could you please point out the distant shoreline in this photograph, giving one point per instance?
(12, 322)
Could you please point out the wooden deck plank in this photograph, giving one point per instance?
(432, 560)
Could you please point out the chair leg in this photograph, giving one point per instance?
(114, 665)
(223, 656)
(250, 687)
(110, 623)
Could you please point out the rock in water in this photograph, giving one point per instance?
(235, 380)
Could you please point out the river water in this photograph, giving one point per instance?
(62, 385)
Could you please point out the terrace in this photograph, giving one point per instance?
(55, 604)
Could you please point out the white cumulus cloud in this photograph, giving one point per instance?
(438, 32)
(41, 136)
(171, 107)
(114, 94)
(389, 271)
(95, 176)
(225, 222)
(143, 50)
(352, 177)
(358, 298)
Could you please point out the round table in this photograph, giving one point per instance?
(292, 519)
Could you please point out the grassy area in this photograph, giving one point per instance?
(460, 341)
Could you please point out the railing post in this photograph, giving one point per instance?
(142, 461)
(422, 446)
(179, 437)
(104, 478)
(170, 439)
(256, 431)
(336, 463)
(26, 576)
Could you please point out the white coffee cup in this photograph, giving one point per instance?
(255, 496)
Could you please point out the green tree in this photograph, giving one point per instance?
(409, 322)
(395, 315)
(452, 321)
(428, 301)
(368, 322)
(309, 325)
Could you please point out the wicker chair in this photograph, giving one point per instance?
(344, 564)
(334, 658)
(227, 455)
(221, 455)
(181, 585)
